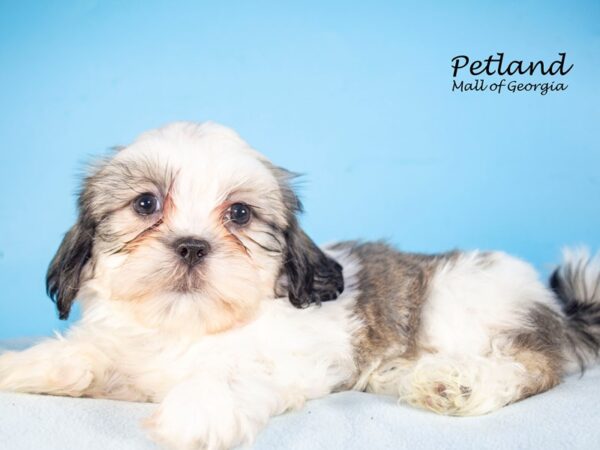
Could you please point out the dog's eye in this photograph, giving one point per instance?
(240, 213)
(146, 204)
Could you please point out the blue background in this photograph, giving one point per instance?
(357, 95)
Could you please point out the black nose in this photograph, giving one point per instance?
(192, 251)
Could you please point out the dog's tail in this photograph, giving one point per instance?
(576, 283)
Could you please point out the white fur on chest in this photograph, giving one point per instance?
(308, 351)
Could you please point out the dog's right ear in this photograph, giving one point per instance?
(64, 275)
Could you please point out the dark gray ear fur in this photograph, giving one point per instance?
(311, 275)
(64, 275)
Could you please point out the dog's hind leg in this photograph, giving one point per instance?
(465, 386)
(519, 365)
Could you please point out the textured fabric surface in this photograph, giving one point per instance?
(565, 418)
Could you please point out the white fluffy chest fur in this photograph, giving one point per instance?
(306, 352)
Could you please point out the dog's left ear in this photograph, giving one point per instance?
(310, 275)
(66, 270)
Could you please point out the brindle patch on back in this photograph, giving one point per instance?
(393, 287)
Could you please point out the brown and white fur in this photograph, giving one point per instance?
(263, 319)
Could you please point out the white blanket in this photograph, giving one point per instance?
(567, 417)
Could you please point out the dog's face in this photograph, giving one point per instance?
(189, 218)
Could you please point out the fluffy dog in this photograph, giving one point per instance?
(200, 291)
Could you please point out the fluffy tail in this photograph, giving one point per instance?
(577, 285)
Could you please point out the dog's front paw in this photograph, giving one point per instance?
(5, 371)
(31, 371)
(194, 419)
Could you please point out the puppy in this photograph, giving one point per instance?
(200, 291)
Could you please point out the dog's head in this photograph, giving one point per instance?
(190, 218)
